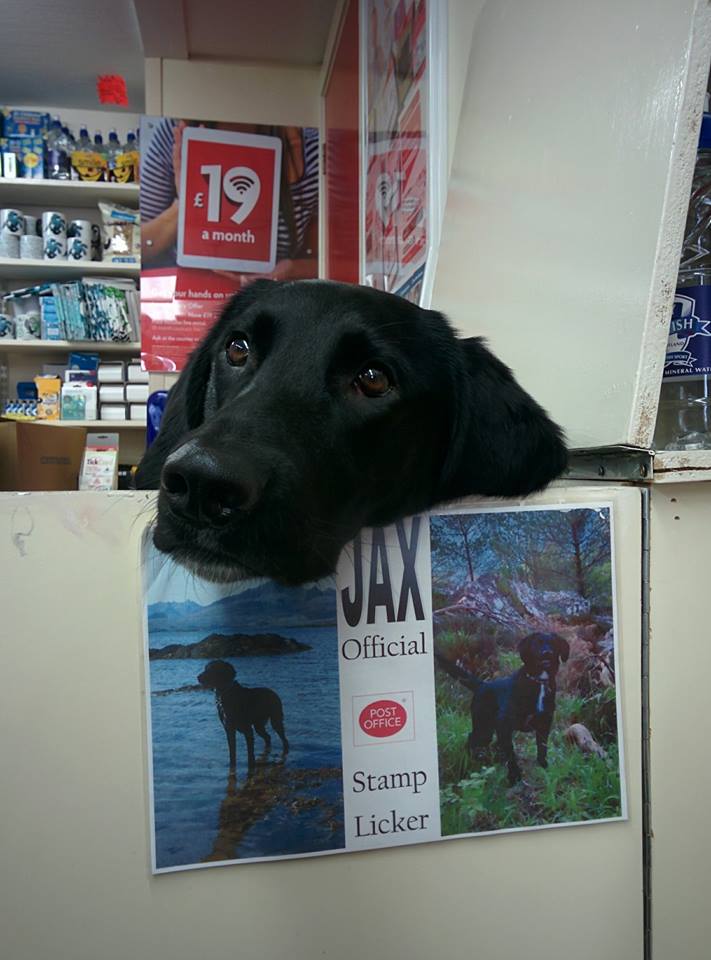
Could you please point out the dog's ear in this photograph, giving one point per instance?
(502, 442)
(185, 409)
(562, 647)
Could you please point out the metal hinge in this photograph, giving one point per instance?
(630, 464)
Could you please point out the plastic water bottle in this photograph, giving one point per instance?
(100, 152)
(59, 166)
(684, 421)
(113, 152)
(131, 148)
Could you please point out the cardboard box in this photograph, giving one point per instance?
(34, 456)
(25, 123)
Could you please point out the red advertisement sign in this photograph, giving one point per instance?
(222, 204)
(229, 200)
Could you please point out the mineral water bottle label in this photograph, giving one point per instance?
(689, 344)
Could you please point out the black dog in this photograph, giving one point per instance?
(243, 708)
(523, 701)
(312, 409)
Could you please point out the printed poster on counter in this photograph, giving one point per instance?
(457, 677)
(221, 205)
(400, 164)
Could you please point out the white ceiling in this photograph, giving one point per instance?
(53, 50)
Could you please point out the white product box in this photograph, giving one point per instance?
(112, 393)
(113, 372)
(112, 411)
(137, 392)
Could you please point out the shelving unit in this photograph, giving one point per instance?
(67, 193)
(25, 357)
(55, 270)
(62, 346)
(109, 426)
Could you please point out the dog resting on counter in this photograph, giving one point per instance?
(525, 700)
(312, 409)
(244, 710)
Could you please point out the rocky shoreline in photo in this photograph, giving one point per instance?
(217, 646)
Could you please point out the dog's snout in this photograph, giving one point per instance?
(197, 488)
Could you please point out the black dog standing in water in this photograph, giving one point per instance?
(313, 409)
(523, 701)
(243, 709)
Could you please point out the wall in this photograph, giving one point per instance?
(680, 666)
(75, 881)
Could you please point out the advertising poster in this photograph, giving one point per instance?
(397, 227)
(457, 677)
(221, 204)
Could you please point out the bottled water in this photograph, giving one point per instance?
(113, 155)
(101, 158)
(131, 149)
(684, 421)
(59, 165)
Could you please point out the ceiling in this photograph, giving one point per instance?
(54, 51)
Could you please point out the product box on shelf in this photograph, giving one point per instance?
(33, 457)
(48, 393)
(24, 123)
(29, 152)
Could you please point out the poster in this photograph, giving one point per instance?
(221, 204)
(457, 677)
(400, 162)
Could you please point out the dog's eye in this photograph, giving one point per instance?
(237, 350)
(373, 382)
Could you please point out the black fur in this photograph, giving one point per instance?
(303, 460)
(243, 709)
(525, 700)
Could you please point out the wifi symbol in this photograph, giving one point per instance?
(241, 186)
(384, 196)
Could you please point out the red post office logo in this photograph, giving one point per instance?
(382, 718)
(228, 211)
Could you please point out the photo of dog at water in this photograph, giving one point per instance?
(525, 656)
(244, 721)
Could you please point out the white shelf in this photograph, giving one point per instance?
(50, 346)
(50, 271)
(53, 194)
(107, 426)
(673, 466)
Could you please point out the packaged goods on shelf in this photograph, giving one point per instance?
(48, 393)
(112, 411)
(24, 123)
(112, 393)
(97, 309)
(36, 145)
(78, 401)
(135, 373)
(112, 372)
(25, 158)
(138, 411)
(121, 234)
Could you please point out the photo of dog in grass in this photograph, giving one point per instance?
(525, 668)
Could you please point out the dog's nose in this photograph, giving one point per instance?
(198, 488)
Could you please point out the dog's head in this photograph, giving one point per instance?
(541, 654)
(217, 674)
(312, 409)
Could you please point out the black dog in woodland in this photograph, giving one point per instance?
(312, 409)
(525, 700)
